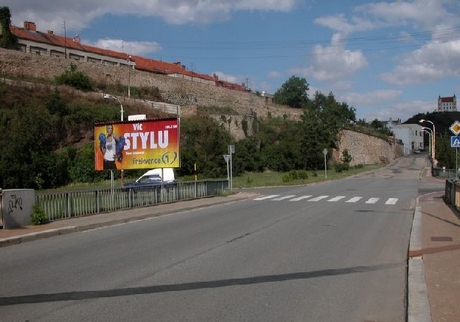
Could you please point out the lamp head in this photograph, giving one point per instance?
(107, 96)
(422, 120)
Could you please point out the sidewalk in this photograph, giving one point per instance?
(434, 258)
(434, 252)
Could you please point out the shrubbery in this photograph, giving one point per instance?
(74, 78)
(38, 216)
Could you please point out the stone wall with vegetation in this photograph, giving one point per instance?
(234, 109)
(367, 149)
(179, 91)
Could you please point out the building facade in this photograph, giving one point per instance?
(447, 104)
(33, 41)
(411, 135)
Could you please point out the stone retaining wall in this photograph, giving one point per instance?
(364, 149)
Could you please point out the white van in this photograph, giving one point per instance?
(153, 178)
(167, 174)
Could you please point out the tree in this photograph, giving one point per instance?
(204, 142)
(294, 93)
(7, 39)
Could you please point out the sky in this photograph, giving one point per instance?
(386, 59)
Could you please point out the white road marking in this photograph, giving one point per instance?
(372, 200)
(266, 197)
(318, 198)
(300, 198)
(391, 201)
(336, 198)
(282, 198)
(354, 199)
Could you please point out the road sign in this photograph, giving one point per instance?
(455, 128)
(455, 141)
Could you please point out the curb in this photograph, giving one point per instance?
(418, 306)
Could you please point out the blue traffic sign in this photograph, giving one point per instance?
(455, 141)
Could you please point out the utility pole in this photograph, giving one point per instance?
(65, 39)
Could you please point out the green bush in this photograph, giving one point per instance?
(302, 174)
(38, 216)
(339, 167)
(295, 175)
(286, 178)
(74, 78)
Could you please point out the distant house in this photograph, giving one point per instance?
(447, 104)
(30, 40)
(410, 134)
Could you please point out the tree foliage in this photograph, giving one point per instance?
(38, 151)
(293, 93)
(7, 39)
(203, 142)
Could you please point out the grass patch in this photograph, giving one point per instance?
(270, 178)
(250, 179)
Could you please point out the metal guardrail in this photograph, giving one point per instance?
(444, 173)
(61, 205)
(452, 193)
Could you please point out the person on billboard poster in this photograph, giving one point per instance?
(111, 146)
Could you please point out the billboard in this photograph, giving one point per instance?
(140, 144)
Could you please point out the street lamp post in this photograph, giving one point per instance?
(433, 137)
(129, 76)
(108, 96)
(429, 131)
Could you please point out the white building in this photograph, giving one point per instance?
(411, 135)
(447, 104)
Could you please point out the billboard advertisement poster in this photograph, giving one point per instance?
(141, 144)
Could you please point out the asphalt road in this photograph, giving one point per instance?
(335, 251)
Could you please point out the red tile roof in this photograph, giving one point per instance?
(141, 63)
(447, 99)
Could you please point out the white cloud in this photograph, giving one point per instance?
(430, 63)
(78, 14)
(274, 74)
(130, 47)
(401, 111)
(340, 24)
(423, 13)
(230, 78)
(373, 98)
(333, 62)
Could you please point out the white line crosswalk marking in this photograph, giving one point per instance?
(283, 197)
(266, 197)
(318, 198)
(354, 199)
(372, 200)
(300, 198)
(391, 201)
(336, 198)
